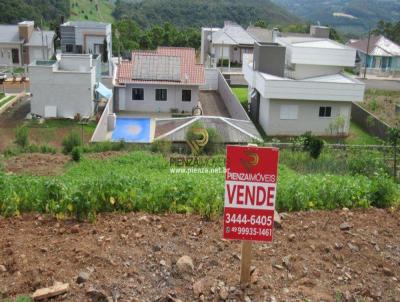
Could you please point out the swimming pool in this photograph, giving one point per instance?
(132, 130)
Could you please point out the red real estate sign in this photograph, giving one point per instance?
(250, 190)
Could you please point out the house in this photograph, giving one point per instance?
(296, 85)
(88, 37)
(232, 41)
(22, 44)
(66, 88)
(378, 55)
(225, 45)
(164, 80)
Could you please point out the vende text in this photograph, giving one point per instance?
(250, 195)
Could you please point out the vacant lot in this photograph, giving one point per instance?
(51, 132)
(382, 104)
(134, 256)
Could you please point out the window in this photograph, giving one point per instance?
(15, 55)
(186, 95)
(137, 94)
(325, 111)
(78, 48)
(161, 94)
(289, 112)
(69, 48)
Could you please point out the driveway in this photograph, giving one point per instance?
(390, 85)
(213, 104)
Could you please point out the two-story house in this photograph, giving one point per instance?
(88, 37)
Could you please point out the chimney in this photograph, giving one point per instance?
(318, 31)
(275, 33)
(269, 58)
(25, 29)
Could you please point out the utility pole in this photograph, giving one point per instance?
(366, 56)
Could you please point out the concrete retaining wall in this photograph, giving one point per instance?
(101, 131)
(231, 101)
(369, 122)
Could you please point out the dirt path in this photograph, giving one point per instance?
(134, 256)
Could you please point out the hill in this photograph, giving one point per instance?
(351, 16)
(95, 10)
(183, 13)
(46, 11)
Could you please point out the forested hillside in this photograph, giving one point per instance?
(346, 15)
(184, 13)
(46, 11)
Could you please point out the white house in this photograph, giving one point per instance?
(297, 85)
(88, 37)
(383, 58)
(65, 88)
(227, 43)
(23, 43)
(163, 80)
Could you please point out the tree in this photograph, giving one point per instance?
(261, 23)
(389, 30)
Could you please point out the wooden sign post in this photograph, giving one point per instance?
(250, 190)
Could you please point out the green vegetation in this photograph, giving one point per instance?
(21, 136)
(76, 154)
(100, 10)
(127, 36)
(389, 30)
(72, 141)
(358, 136)
(20, 299)
(47, 11)
(241, 94)
(183, 13)
(5, 100)
(352, 16)
(143, 181)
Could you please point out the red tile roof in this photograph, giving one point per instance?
(191, 73)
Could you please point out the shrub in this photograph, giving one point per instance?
(76, 154)
(161, 146)
(71, 141)
(22, 136)
(48, 149)
(313, 145)
(384, 192)
(214, 144)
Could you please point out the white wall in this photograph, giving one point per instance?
(70, 92)
(149, 104)
(307, 120)
(6, 54)
(308, 71)
(211, 79)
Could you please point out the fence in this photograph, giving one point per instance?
(369, 122)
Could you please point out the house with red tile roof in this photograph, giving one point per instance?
(164, 80)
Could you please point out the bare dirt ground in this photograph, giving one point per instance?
(314, 257)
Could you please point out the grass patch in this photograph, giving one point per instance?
(241, 94)
(142, 181)
(100, 10)
(358, 136)
(6, 100)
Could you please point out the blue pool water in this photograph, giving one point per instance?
(132, 130)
